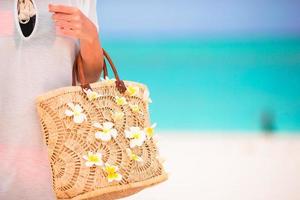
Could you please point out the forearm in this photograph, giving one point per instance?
(92, 57)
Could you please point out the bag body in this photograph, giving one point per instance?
(100, 138)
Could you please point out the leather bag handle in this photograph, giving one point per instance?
(78, 72)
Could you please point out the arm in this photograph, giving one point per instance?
(92, 57)
(72, 22)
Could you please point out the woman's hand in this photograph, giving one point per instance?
(73, 23)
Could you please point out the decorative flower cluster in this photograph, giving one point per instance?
(106, 131)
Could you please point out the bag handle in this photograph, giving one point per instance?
(78, 72)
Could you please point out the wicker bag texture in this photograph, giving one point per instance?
(99, 137)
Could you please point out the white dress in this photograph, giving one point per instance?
(29, 67)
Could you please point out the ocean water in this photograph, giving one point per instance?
(215, 84)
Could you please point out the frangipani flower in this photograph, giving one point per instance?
(92, 95)
(134, 107)
(132, 90)
(136, 136)
(133, 156)
(146, 97)
(116, 116)
(121, 101)
(108, 79)
(150, 131)
(93, 159)
(77, 113)
(107, 131)
(112, 173)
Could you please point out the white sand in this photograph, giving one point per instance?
(228, 167)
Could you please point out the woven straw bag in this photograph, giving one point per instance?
(99, 137)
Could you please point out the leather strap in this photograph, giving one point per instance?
(78, 73)
(78, 61)
(105, 73)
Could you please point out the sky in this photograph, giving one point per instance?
(199, 17)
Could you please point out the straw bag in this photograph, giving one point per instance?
(99, 138)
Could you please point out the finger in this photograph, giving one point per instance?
(69, 33)
(62, 9)
(69, 25)
(66, 17)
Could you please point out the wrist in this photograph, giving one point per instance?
(91, 40)
(91, 37)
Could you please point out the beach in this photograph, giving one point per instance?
(228, 166)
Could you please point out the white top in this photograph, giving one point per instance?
(29, 67)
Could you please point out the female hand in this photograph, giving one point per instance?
(73, 23)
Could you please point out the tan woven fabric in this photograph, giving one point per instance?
(69, 142)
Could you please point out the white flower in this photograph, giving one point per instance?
(107, 131)
(132, 90)
(150, 131)
(121, 101)
(134, 107)
(93, 159)
(92, 95)
(133, 156)
(146, 97)
(77, 113)
(112, 173)
(108, 79)
(116, 116)
(136, 136)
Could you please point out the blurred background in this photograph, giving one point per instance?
(224, 77)
(210, 65)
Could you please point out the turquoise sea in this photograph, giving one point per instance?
(217, 83)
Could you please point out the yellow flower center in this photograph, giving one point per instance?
(131, 90)
(94, 95)
(93, 158)
(136, 135)
(150, 131)
(112, 175)
(120, 101)
(135, 108)
(76, 113)
(134, 157)
(110, 170)
(106, 130)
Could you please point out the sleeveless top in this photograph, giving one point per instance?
(29, 67)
